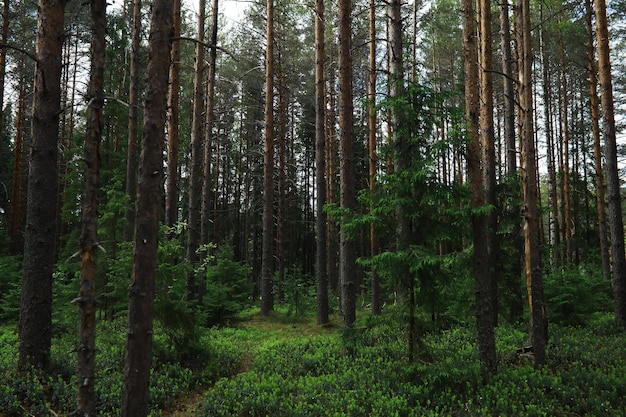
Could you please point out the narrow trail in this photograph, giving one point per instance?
(189, 404)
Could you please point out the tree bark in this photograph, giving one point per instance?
(597, 147)
(267, 261)
(320, 166)
(488, 161)
(347, 246)
(173, 129)
(86, 351)
(480, 223)
(35, 328)
(135, 391)
(532, 254)
(611, 167)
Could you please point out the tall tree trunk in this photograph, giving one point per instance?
(267, 297)
(320, 166)
(373, 159)
(195, 170)
(597, 147)
(173, 127)
(35, 328)
(532, 254)
(86, 364)
(133, 117)
(480, 222)
(347, 246)
(488, 160)
(611, 168)
(135, 391)
(205, 221)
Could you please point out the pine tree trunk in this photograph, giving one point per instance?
(267, 296)
(534, 278)
(486, 340)
(135, 391)
(35, 326)
(320, 166)
(347, 245)
(597, 147)
(488, 159)
(86, 351)
(611, 168)
(173, 129)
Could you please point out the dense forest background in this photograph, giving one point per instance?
(431, 183)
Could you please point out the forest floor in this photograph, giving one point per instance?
(276, 326)
(292, 367)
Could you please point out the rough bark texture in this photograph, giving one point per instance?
(486, 339)
(347, 198)
(267, 261)
(173, 127)
(320, 166)
(86, 351)
(195, 169)
(488, 157)
(597, 147)
(135, 392)
(534, 279)
(612, 169)
(133, 111)
(35, 327)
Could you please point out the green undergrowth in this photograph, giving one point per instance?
(289, 366)
(316, 375)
